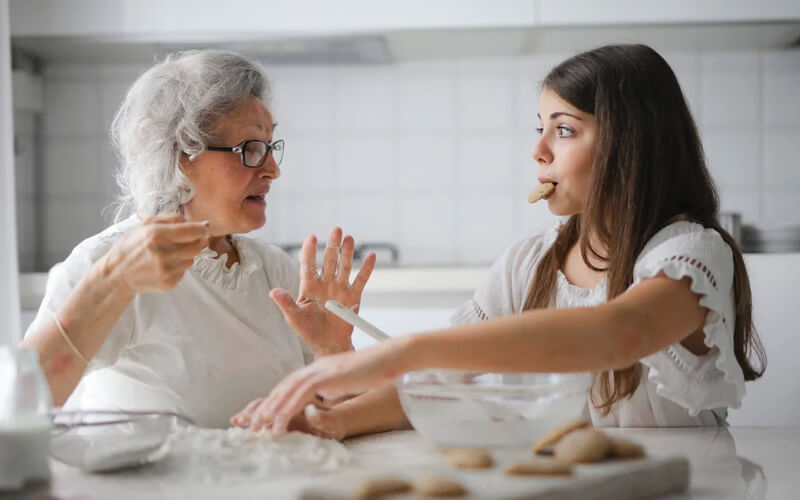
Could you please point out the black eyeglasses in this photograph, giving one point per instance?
(254, 153)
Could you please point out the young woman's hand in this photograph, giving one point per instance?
(322, 331)
(155, 255)
(316, 419)
(328, 376)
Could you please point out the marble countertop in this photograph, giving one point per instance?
(726, 463)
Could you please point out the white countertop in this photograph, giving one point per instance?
(744, 462)
(420, 286)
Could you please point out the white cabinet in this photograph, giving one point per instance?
(185, 20)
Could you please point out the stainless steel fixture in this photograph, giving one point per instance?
(388, 254)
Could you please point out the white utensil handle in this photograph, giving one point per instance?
(354, 319)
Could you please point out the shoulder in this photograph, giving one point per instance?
(92, 248)
(527, 251)
(689, 244)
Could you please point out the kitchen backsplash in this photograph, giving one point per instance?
(431, 156)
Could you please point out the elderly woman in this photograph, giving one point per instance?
(168, 308)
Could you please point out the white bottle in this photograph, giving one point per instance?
(25, 423)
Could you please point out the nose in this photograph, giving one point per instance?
(270, 168)
(541, 152)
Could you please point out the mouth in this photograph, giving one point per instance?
(258, 196)
(545, 180)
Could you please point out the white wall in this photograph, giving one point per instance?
(434, 156)
(9, 293)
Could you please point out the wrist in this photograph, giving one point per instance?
(108, 274)
(332, 348)
(409, 349)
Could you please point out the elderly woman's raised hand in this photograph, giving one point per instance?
(322, 331)
(154, 255)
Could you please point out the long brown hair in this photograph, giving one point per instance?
(648, 169)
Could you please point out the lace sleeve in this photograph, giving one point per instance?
(714, 380)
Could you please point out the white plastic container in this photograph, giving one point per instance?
(25, 423)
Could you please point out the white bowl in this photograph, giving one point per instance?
(453, 408)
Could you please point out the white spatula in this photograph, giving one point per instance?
(354, 319)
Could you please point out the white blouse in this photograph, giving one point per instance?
(205, 348)
(677, 387)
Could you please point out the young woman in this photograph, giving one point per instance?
(640, 286)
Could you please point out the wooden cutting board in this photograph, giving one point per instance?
(619, 480)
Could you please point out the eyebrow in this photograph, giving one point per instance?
(259, 126)
(555, 115)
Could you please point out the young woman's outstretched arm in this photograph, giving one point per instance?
(649, 317)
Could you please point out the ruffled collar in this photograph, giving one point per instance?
(213, 268)
(570, 295)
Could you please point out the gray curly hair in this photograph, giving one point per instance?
(171, 109)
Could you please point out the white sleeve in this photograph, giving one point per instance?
(713, 380)
(61, 281)
(505, 290)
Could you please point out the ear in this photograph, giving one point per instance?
(184, 161)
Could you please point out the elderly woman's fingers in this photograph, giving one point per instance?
(165, 219)
(346, 260)
(331, 255)
(181, 232)
(364, 273)
(308, 259)
(242, 419)
(285, 302)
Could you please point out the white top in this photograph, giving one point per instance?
(677, 388)
(205, 348)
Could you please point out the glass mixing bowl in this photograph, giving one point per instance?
(456, 408)
(108, 440)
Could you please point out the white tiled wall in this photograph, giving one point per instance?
(434, 156)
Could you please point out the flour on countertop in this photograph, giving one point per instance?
(236, 453)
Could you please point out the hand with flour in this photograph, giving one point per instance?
(322, 331)
(343, 373)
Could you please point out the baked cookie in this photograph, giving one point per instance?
(438, 487)
(625, 448)
(550, 438)
(541, 191)
(377, 487)
(539, 467)
(582, 446)
(468, 458)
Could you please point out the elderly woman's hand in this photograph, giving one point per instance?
(155, 255)
(322, 331)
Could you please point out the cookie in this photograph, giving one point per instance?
(541, 191)
(539, 467)
(625, 448)
(550, 438)
(377, 487)
(582, 446)
(438, 487)
(468, 458)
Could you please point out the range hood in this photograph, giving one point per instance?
(382, 31)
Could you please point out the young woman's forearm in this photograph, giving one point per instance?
(568, 340)
(646, 319)
(378, 410)
(88, 314)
